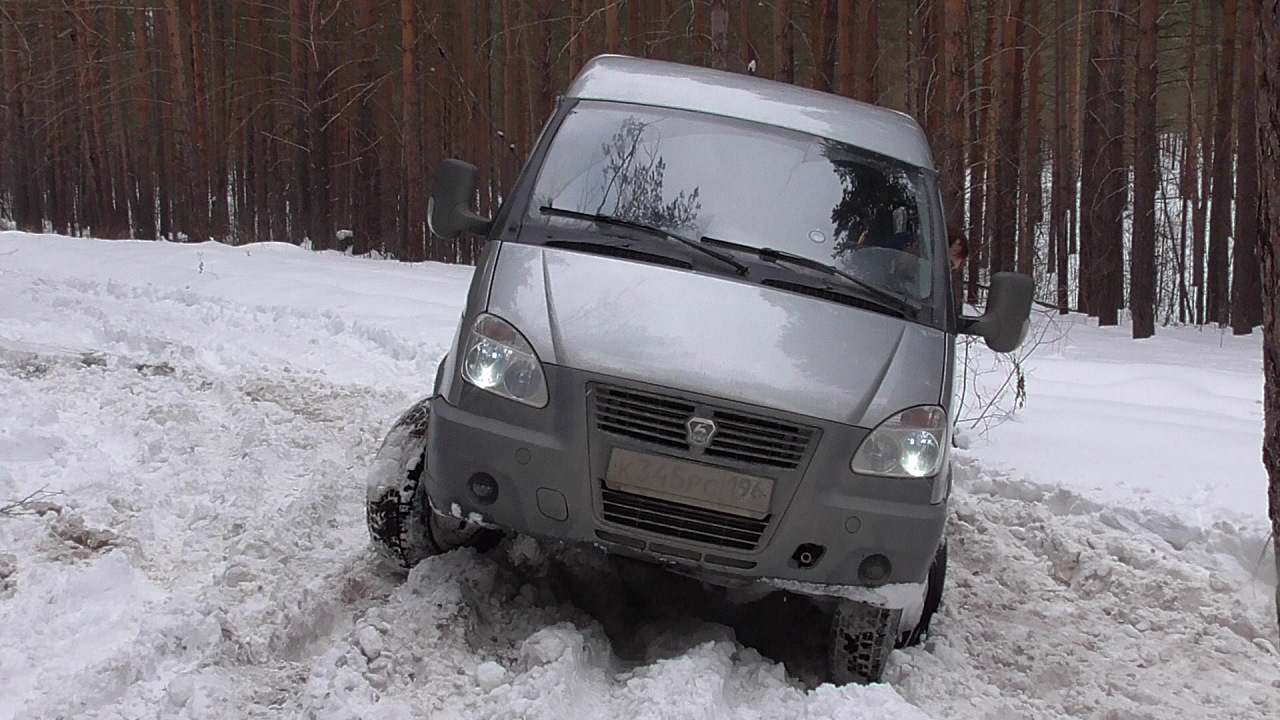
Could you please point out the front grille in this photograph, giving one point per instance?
(643, 416)
(682, 521)
(660, 420)
(752, 439)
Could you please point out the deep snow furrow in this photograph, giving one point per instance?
(233, 506)
(1052, 610)
(1050, 614)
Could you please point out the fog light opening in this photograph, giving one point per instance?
(483, 488)
(875, 570)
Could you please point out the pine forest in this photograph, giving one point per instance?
(1107, 147)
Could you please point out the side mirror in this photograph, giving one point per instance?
(1005, 322)
(449, 210)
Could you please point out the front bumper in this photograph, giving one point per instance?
(542, 472)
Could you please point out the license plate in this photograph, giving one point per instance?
(689, 483)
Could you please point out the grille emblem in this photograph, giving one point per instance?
(700, 431)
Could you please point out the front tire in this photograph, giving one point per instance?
(862, 636)
(403, 528)
(932, 599)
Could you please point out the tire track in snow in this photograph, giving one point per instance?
(183, 325)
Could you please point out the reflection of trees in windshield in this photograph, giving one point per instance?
(633, 179)
(870, 196)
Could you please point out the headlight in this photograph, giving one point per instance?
(912, 443)
(500, 360)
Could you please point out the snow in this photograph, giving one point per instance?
(1186, 405)
(193, 425)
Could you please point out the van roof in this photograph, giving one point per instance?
(618, 78)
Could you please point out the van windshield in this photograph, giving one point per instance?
(745, 184)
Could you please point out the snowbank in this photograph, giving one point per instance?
(193, 424)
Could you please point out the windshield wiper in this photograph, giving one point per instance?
(894, 302)
(650, 229)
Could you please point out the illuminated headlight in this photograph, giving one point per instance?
(498, 359)
(912, 443)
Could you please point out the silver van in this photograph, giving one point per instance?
(712, 329)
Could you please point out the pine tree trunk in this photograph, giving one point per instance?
(819, 46)
(1246, 290)
(1032, 164)
(1218, 305)
(414, 246)
(166, 189)
(927, 39)
(269, 198)
(1109, 222)
(846, 67)
(577, 48)
(1142, 289)
(1268, 46)
(320, 76)
(144, 136)
(1075, 83)
(1104, 175)
(478, 136)
(465, 48)
(635, 29)
(1009, 101)
(949, 21)
(119, 147)
(299, 138)
(859, 49)
(241, 106)
(783, 48)
(1190, 181)
(1091, 165)
(526, 87)
(200, 124)
(544, 52)
(661, 16)
(189, 220)
(1200, 215)
(10, 111)
(95, 206)
(506, 105)
(750, 59)
(210, 67)
(1062, 156)
(29, 206)
(980, 215)
(719, 31)
(367, 210)
(612, 28)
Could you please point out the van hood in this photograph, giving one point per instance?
(717, 336)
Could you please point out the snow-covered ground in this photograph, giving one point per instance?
(191, 424)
